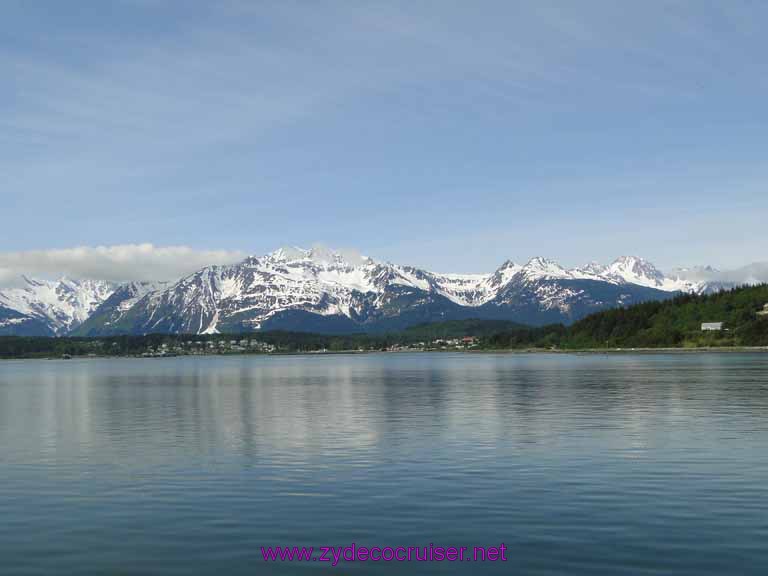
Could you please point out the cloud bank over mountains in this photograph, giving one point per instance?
(119, 263)
(754, 273)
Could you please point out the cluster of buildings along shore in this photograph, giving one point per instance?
(209, 347)
(438, 344)
(242, 346)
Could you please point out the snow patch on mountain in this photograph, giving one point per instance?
(135, 291)
(634, 270)
(330, 283)
(62, 305)
(327, 282)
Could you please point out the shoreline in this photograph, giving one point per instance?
(583, 351)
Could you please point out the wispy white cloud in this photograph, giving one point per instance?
(243, 120)
(114, 263)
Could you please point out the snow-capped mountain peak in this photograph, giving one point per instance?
(635, 271)
(503, 275)
(286, 253)
(320, 256)
(540, 267)
(593, 268)
(319, 285)
(61, 305)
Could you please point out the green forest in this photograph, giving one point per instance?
(674, 323)
(677, 322)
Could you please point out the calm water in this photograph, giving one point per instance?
(647, 464)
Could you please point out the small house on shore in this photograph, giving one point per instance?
(711, 326)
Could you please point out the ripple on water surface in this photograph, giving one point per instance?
(580, 464)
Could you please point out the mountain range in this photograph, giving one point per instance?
(322, 290)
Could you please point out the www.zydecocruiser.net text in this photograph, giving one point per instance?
(335, 555)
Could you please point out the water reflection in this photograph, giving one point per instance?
(320, 407)
(583, 464)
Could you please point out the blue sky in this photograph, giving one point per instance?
(449, 135)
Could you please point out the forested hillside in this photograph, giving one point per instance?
(671, 323)
(677, 322)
